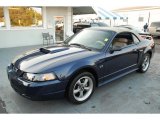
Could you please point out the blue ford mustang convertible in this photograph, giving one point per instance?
(74, 68)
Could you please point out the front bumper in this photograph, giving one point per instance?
(36, 90)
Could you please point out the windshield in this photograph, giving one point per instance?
(155, 24)
(93, 39)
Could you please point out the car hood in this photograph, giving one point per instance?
(37, 61)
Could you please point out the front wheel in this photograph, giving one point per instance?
(81, 88)
(145, 63)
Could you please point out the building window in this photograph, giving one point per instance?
(25, 16)
(2, 20)
(141, 19)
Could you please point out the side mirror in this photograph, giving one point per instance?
(116, 48)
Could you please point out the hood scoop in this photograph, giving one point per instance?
(46, 51)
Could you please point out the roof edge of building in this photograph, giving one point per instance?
(136, 8)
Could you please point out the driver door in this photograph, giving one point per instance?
(123, 60)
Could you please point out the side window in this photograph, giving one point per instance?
(122, 40)
(136, 40)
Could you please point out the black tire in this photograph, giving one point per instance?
(70, 93)
(141, 69)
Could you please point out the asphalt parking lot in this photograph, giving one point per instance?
(134, 93)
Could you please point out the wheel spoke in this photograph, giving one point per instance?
(87, 88)
(145, 60)
(77, 90)
(143, 65)
(78, 82)
(85, 82)
(81, 94)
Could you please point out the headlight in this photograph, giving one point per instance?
(39, 77)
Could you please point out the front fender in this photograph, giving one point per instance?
(82, 65)
(65, 72)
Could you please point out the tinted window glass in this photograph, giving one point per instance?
(95, 39)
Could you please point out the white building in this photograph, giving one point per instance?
(138, 16)
(20, 27)
(13, 31)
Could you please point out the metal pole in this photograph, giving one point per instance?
(148, 18)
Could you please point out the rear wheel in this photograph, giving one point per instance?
(81, 88)
(145, 63)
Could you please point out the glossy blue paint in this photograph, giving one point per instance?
(66, 61)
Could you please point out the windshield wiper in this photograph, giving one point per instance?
(82, 46)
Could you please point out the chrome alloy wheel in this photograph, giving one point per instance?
(83, 88)
(145, 63)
